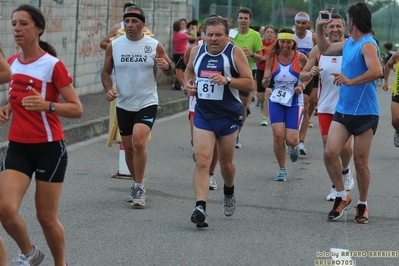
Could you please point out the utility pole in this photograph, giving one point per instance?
(310, 9)
(273, 15)
(283, 10)
(229, 9)
(196, 6)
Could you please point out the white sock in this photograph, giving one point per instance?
(31, 252)
(362, 202)
(138, 185)
(341, 194)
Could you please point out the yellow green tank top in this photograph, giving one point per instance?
(395, 87)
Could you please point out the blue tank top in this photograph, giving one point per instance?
(216, 101)
(358, 99)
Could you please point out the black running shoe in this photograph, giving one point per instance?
(339, 207)
(199, 217)
(362, 213)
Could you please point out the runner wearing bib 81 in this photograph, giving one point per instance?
(215, 74)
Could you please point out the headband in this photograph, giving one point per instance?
(285, 36)
(305, 18)
(134, 15)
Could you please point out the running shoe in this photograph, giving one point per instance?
(302, 149)
(32, 260)
(349, 183)
(339, 207)
(264, 121)
(130, 197)
(310, 124)
(332, 195)
(199, 217)
(238, 142)
(229, 205)
(362, 214)
(294, 153)
(138, 197)
(396, 139)
(193, 154)
(212, 182)
(282, 175)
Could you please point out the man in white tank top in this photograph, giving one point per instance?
(114, 30)
(136, 95)
(305, 40)
(322, 66)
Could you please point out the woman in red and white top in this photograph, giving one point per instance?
(180, 45)
(5, 76)
(36, 138)
(264, 93)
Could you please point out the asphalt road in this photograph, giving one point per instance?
(276, 223)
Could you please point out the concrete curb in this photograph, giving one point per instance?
(93, 128)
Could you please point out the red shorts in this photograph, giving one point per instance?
(190, 114)
(324, 123)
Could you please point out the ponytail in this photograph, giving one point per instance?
(48, 48)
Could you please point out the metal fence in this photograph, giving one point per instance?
(385, 23)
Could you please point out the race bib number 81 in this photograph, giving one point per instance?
(208, 90)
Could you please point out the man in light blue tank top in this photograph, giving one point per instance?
(357, 110)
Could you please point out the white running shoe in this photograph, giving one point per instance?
(131, 195)
(212, 182)
(332, 195)
(32, 260)
(192, 153)
(396, 139)
(349, 183)
(138, 197)
(264, 121)
(238, 142)
(302, 149)
(229, 205)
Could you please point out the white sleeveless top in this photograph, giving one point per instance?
(305, 45)
(135, 72)
(328, 92)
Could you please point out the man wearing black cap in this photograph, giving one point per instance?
(136, 95)
(388, 52)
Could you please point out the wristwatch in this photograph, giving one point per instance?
(228, 80)
(52, 107)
